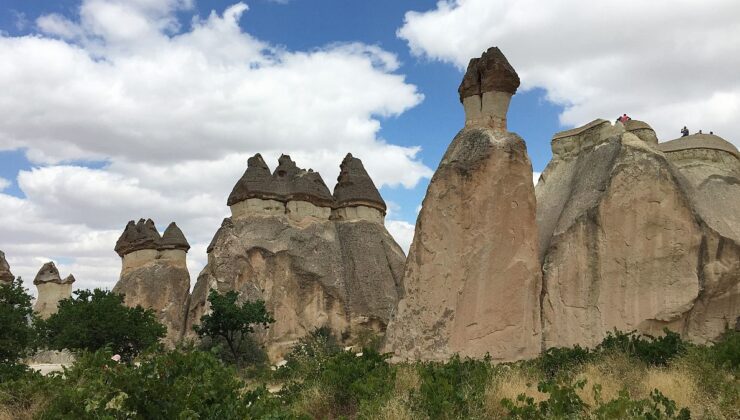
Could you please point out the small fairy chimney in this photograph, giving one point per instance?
(355, 195)
(487, 88)
(52, 288)
(173, 246)
(138, 244)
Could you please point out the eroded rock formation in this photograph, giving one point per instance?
(51, 289)
(5, 275)
(316, 259)
(154, 273)
(472, 279)
(638, 235)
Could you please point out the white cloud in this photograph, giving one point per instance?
(402, 231)
(670, 63)
(174, 111)
(4, 183)
(536, 177)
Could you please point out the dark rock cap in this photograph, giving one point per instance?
(489, 73)
(255, 183)
(48, 274)
(138, 236)
(5, 275)
(69, 279)
(355, 187)
(288, 182)
(173, 238)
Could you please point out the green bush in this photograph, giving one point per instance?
(658, 406)
(308, 358)
(559, 359)
(726, 352)
(175, 384)
(17, 332)
(454, 389)
(98, 319)
(350, 379)
(232, 323)
(655, 351)
(563, 402)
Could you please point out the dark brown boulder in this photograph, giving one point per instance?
(355, 187)
(256, 182)
(489, 73)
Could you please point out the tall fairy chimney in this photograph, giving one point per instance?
(138, 244)
(487, 88)
(52, 288)
(6, 277)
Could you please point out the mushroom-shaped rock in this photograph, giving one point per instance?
(138, 236)
(699, 141)
(486, 89)
(48, 274)
(309, 186)
(5, 275)
(255, 183)
(173, 238)
(51, 289)
(355, 187)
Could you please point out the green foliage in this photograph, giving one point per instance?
(454, 389)
(651, 350)
(99, 319)
(170, 385)
(17, 332)
(26, 390)
(564, 403)
(726, 352)
(308, 358)
(232, 323)
(558, 359)
(351, 379)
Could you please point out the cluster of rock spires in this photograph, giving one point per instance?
(621, 231)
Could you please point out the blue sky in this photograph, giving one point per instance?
(120, 109)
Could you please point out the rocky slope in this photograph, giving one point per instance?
(316, 259)
(629, 239)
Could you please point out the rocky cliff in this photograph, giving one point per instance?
(51, 289)
(638, 235)
(472, 279)
(5, 275)
(316, 259)
(154, 273)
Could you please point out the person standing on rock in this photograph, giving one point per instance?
(623, 119)
(684, 131)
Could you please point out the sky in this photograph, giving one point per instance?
(114, 110)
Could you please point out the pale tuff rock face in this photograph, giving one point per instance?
(154, 273)
(342, 273)
(487, 88)
(51, 289)
(472, 280)
(5, 275)
(626, 241)
(642, 130)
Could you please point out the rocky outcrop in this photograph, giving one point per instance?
(472, 279)
(51, 289)
(154, 273)
(315, 261)
(5, 275)
(635, 238)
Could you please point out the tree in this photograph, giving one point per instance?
(17, 332)
(97, 319)
(232, 322)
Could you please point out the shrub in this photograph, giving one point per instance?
(658, 406)
(17, 332)
(308, 358)
(175, 384)
(651, 350)
(558, 359)
(352, 379)
(99, 319)
(454, 389)
(726, 352)
(563, 402)
(232, 323)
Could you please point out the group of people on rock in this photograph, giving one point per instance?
(684, 131)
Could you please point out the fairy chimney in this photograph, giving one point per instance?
(51, 289)
(355, 195)
(5, 275)
(486, 90)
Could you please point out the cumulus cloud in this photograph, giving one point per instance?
(4, 183)
(402, 231)
(670, 63)
(173, 110)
